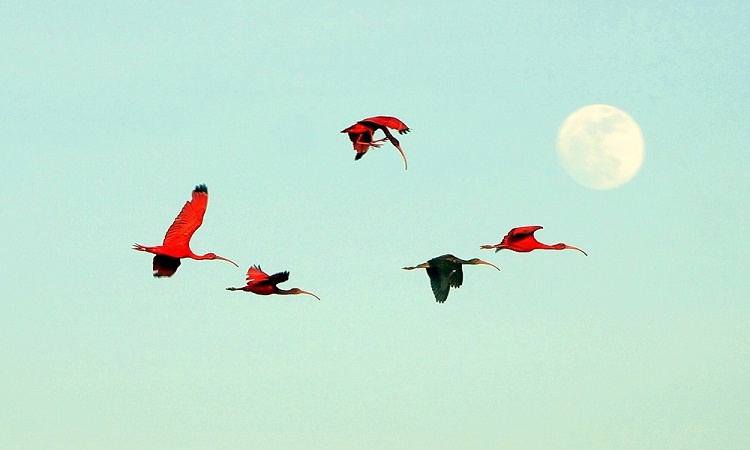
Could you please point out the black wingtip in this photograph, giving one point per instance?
(201, 188)
(165, 266)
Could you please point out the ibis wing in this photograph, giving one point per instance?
(387, 121)
(520, 237)
(361, 142)
(188, 220)
(359, 128)
(278, 278)
(456, 277)
(256, 275)
(439, 283)
(165, 266)
(361, 137)
(520, 232)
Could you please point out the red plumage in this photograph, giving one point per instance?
(361, 134)
(259, 282)
(521, 239)
(176, 243)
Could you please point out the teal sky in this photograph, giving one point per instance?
(111, 114)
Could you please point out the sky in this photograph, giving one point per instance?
(112, 113)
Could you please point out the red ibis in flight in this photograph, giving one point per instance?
(521, 239)
(259, 282)
(361, 134)
(176, 243)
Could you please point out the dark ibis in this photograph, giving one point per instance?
(446, 272)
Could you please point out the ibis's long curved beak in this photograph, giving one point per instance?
(575, 248)
(309, 293)
(227, 260)
(403, 155)
(488, 263)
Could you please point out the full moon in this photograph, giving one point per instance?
(600, 146)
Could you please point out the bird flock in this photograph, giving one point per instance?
(444, 271)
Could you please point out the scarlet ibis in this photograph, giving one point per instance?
(361, 134)
(177, 240)
(259, 282)
(521, 239)
(445, 272)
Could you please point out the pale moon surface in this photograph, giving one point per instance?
(600, 146)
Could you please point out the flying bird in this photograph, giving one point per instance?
(177, 240)
(259, 282)
(521, 239)
(361, 134)
(446, 272)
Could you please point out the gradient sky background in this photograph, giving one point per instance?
(111, 114)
